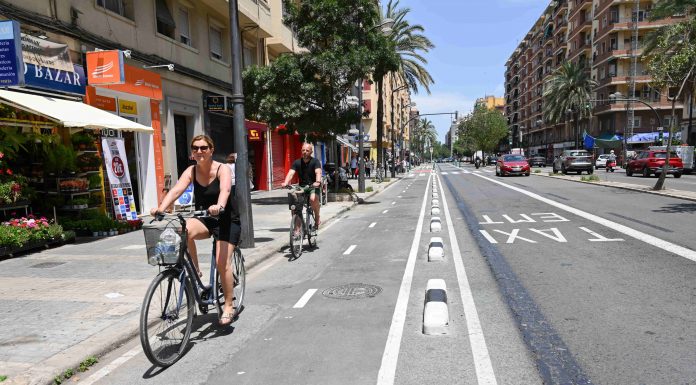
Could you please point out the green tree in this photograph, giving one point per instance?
(482, 129)
(405, 61)
(671, 57)
(307, 91)
(424, 136)
(569, 89)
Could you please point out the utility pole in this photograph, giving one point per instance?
(242, 194)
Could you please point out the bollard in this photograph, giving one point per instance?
(435, 312)
(435, 225)
(435, 211)
(436, 250)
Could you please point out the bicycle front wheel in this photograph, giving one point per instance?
(166, 317)
(239, 280)
(296, 235)
(311, 229)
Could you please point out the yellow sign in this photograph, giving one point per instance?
(127, 107)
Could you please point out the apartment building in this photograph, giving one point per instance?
(491, 102)
(598, 35)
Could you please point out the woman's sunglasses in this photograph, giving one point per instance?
(199, 148)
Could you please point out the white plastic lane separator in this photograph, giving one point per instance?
(390, 357)
(304, 299)
(436, 196)
(647, 238)
(435, 225)
(435, 202)
(435, 211)
(479, 350)
(372, 224)
(350, 249)
(106, 370)
(435, 312)
(436, 250)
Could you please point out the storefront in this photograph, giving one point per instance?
(134, 94)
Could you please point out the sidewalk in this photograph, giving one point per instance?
(62, 305)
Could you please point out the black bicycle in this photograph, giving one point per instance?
(298, 199)
(167, 313)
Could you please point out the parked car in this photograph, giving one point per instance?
(512, 165)
(573, 160)
(538, 161)
(651, 162)
(601, 161)
(492, 160)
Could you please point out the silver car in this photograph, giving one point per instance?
(573, 160)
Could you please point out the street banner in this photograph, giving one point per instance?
(44, 53)
(11, 63)
(119, 179)
(105, 67)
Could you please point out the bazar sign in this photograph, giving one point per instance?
(55, 79)
(44, 53)
(11, 64)
(105, 67)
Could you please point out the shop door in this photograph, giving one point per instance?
(181, 143)
(278, 161)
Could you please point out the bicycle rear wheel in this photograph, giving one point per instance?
(166, 317)
(296, 235)
(311, 229)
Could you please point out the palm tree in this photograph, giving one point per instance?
(568, 90)
(425, 135)
(408, 43)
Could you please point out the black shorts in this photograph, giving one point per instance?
(223, 230)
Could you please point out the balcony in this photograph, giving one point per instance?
(607, 107)
(616, 24)
(252, 13)
(622, 77)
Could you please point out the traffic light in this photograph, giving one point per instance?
(660, 137)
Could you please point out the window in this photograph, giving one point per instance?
(165, 21)
(636, 122)
(184, 26)
(216, 43)
(119, 7)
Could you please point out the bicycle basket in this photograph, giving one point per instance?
(163, 242)
(295, 199)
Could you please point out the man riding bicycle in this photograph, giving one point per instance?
(309, 174)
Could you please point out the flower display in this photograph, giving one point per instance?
(19, 231)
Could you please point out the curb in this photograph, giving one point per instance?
(127, 329)
(667, 192)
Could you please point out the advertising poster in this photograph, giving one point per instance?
(119, 179)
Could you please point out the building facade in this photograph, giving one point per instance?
(600, 36)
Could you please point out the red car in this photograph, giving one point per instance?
(512, 165)
(651, 162)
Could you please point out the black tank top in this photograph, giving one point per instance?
(206, 196)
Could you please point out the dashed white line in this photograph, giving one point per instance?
(350, 249)
(385, 211)
(372, 224)
(133, 247)
(394, 202)
(304, 299)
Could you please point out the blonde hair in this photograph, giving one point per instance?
(204, 138)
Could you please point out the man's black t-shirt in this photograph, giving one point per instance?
(306, 171)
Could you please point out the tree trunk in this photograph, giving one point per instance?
(380, 123)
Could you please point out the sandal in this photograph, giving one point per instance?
(227, 318)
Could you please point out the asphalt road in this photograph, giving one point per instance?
(549, 281)
(280, 339)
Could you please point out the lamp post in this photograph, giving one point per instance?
(393, 130)
(521, 127)
(242, 194)
(386, 28)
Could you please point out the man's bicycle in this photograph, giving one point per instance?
(169, 305)
(298, 199)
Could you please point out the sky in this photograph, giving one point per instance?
(473, 40)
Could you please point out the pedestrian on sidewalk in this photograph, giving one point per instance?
(212, 193)
(231, 159)
(368, 166)
(353, 166)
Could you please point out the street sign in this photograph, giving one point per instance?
(366, 138)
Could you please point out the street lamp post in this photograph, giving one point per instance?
(242, 194)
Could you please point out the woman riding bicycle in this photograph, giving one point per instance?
(211, 191)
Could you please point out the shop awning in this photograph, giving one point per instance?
(69, 113)
(346, 143)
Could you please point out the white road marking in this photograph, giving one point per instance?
(455, 172)
(372, 224)
(304, 299)
(399, 196)
(385, 211)
(600, 238)
(488, 236)
(106, 370)
(133, 247)
(647, 238)
(482, 361)
(350, 249)
(444, 173)
(393, 203)
(390, 357)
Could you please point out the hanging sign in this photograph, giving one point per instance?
(254, 135)
(11, 63)
(119, 179)
(47, 54)
(55, 79)
(105, 67)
